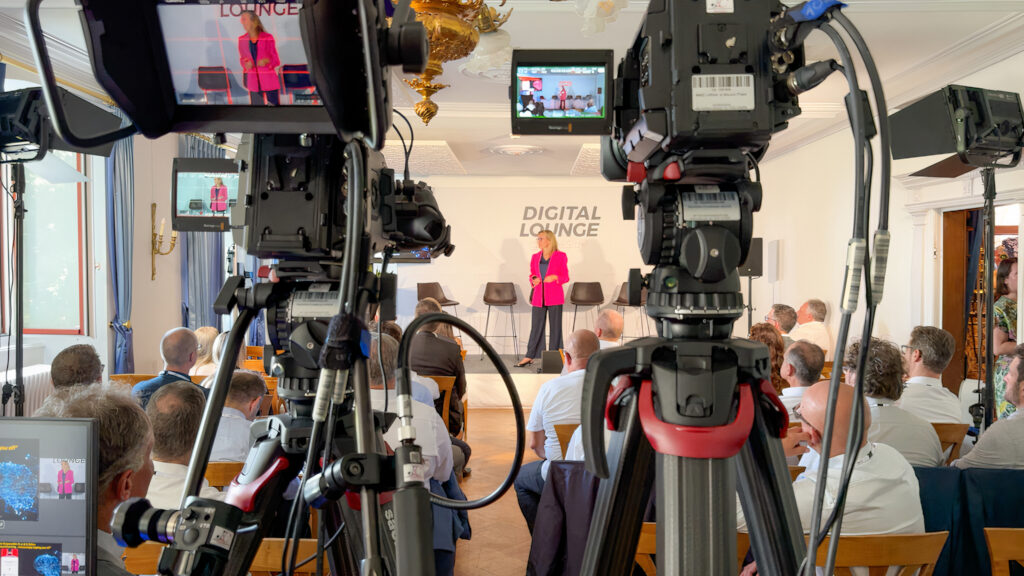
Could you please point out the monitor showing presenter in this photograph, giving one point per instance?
(549, 272)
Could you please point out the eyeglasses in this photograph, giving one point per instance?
(800, 417)
(906, 348)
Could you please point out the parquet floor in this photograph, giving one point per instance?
(501, 542)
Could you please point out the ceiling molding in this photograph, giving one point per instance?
(883, 6)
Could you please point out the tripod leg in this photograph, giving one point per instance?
(621, 498)
(696, 515)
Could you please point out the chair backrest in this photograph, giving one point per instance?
(296, 77)
(913, 553)
(254, 352)
(1005, 545)
(144, 559)
(429, 290)
(197, 379)
(445, 384)
(130, 379)
(213, 78)
(220, 474)
(951, 435)
(586, 293)
(826, 370)
(254, 365)
(500, 294)
(795, 471)
(564, 433)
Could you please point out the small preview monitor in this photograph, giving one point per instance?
(47, 496)
(561, 91)
(235, 53)
(203, 192)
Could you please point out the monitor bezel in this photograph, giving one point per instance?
(562, 126)
(201, 165)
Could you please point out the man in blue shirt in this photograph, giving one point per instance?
(179, 348)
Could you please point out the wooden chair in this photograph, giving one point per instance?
(826, 371)
(197, 379)
(913, 553)
(1005, 545)
(144, 559)
(795, 471)
(564, 433)
(254, 365)
(220, 474)
(254, 352)
(446, 384)
(951, 435)
(130, 380)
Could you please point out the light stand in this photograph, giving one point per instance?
(988, 177)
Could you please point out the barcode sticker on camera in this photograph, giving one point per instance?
(720, 7)
(722, 92)
(713, 207)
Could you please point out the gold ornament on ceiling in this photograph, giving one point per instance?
(453, 28)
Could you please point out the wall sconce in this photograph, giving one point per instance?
(158, 239)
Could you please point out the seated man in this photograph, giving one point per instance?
(72, 366)
(241, 407)
(811, 317)
(558, 402)
(608, 329)
(423, 389)
(174, 411)
(801, 368)
(911, 436)
(433, 355)
(783, 317)
(125, 468)
(1001, 446)
(883, 495)
(926, 356)
(179, 349)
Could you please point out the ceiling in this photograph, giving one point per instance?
(918, 45)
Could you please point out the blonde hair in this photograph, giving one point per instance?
(551, 238)
(255, 18)
(206, 335)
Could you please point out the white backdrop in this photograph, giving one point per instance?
(493, 243)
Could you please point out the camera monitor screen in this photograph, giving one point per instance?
(47, 497)
(204, 190)
(236, 53)
(561, 92)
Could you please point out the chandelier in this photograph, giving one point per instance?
(490, 60)
(453, 27)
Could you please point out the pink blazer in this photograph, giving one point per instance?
(65, 482)
(219, 198)
(262, 78)
(550, 293)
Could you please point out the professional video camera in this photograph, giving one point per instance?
(318, 198)
(696, 100)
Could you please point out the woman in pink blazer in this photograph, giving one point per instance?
(257, 52)
(218, 196)
(65, 481)
(549, 271)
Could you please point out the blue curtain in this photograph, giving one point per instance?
(202, 255)
(120, 175)
(257, 330)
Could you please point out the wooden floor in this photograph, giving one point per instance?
(501, 542)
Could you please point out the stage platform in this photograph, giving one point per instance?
(486, 390)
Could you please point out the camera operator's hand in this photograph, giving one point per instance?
(791, 442)
(535, 280)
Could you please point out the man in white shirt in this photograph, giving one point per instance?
(783, 317)
(801, 368)
(240, 408)
(883, 495)
(608, 328)
(124, 469)
(1002, 445)
(175, 411)
(925, 357)
(811, 317)
(558, 402)
(431, 433)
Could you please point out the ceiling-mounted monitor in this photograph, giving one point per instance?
(561, 92)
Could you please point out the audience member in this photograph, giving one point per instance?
(434, 355)
(1004, 337)
(913, 436)
(926, 356)
(204, 361)
(1001, 446)
(124, 469)
(178, 348)
(423, 389)
(801, 368)
(768, 335)
(608, 328)
(175, 412)
(811, 317)
(783, 317)
(241, 407)
(74, 365)
(883, 495)
(558, 402)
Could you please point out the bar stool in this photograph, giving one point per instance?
(622, 302)
(584, 294)
(433, 290)
(501, 294)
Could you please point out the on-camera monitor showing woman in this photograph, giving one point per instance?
(257, 52)
(218, 195)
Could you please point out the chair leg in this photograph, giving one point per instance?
(457, 315)
(486, 324)
(515, 337)
(575, 308)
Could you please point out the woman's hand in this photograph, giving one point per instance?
(263, 62)
(535, 280)
(247, 64)
(551, 278)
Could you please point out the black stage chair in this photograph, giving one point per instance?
(501, 294)
(585, 294)
(622, 301)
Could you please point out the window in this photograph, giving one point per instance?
(55, 253)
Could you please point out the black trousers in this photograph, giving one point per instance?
(554, 314)
(529, 486)
(273, 98)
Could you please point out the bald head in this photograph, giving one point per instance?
(813, 409)
(579, 347)
(179, 349)
(609, 325)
